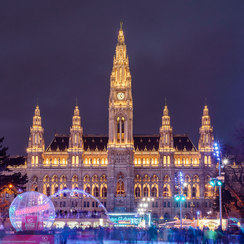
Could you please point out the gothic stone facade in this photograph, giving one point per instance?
(121, 168)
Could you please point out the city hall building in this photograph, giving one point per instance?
(120, 168)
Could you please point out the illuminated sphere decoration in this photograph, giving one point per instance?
(32, 211)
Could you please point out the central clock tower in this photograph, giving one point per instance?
(120, 143)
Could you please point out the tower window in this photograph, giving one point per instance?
(120, 129)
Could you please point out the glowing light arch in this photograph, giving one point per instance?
(78, 191)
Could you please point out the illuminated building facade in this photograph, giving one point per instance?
(122, 168)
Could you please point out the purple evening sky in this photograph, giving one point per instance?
(58, 51)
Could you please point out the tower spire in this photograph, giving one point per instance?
(36, 144)
(121, 23)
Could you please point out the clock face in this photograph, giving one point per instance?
(120, 95)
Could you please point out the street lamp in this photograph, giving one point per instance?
(218, 182)
(179, 181)
(143, 206)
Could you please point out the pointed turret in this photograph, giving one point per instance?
(166, 131)
(166, 145)
(36, 144)
(206, 139)
(75, 140)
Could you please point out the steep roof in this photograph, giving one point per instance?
(95, 141)
(141, 142)
(60, 142)
(148, 142)
(183, 142)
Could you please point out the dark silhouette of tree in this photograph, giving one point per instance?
(10, 182)
(236, 148)
(227, 201)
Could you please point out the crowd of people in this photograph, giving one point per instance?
(153, 234)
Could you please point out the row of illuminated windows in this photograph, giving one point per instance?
(146, 161)
(95, 191)
(186, 161)
(55, 161)
(190, 191)
(96, 161)
(75, 161)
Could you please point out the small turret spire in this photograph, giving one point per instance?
(37, 111)
(121, 23)
(205, 101)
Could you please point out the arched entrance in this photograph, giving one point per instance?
(166, 217)
(155, 218)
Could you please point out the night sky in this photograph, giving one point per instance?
(57, 51)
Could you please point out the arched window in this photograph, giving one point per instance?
(164, 160)
(146, 191)
(87, 189)
(73, 160)
(137, 178)
(87, 178)
(120, 189)
(194, 191)
(75, 178)
(34, 187)
(205, 160)
(46, 189)
(95, 191)
(166, 178)
(154, 178)
(195, 187)
(166, 191)
(104, 191)
(120, 129)
(77, 160)
(137, 192)
(75, 182)
(154, 191)
(55, 178)
(63, 178)
(103, 178)
(168, 160)
(95, 178)
(146, 178)
(46, 178)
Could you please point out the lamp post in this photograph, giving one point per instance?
(219, 183)
(143, 207)
(179, 197)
